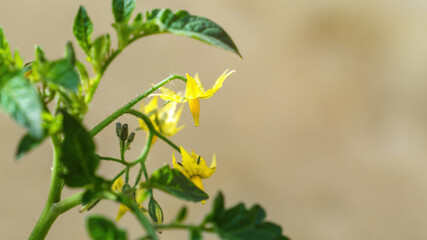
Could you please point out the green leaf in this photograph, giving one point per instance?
(82, 29)
(182, 214)
(21, 101)
(101, 228)
(173, 182)
(122, 9)
(239, 223)
(61, 73)
(27, 144)
(78, 154)
(182, 23)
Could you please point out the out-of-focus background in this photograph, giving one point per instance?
(324, 123)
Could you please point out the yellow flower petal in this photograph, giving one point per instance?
(217, 85)
(150, 110)
(178, 167)
(197, 79)
(192, 89)
(204, 170)
(169, 95)
(122, 210)
(118, 185)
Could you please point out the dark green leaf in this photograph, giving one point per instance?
(26, 144)
(82, 29)
(182, 214)
(61, 73)
(182, 23)
(78, 154)
(122, 9)
(101, 228)
(195, 234)
(21, 101)
(239, 223)
(173, 182)
(155, 211)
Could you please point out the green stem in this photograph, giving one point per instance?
(182, 226)
(143, 157)
(68, 203)
(114, 160)
(129, 105)
(48, 216)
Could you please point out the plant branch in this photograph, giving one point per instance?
(129, 105)
(56, 184)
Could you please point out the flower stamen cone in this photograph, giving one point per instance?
(195, 110)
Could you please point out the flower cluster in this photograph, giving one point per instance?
(165, 121)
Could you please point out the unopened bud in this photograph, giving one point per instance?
(130, 139)
(118, 129)
(155, 211)
(124, 132)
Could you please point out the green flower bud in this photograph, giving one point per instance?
(124, 133)
(155, 211)
(118, 129)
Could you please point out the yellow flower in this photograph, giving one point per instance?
(140, 197)
(165, 120)
(193, 91)
(194, 167)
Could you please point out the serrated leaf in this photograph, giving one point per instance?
(101, 228)
(21, 101)
(173, 182)
(26, 144)
(82, 29)
(239, 223)
(122, 9)
(182, 23)
(78, 154)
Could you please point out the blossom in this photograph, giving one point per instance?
(194, 167)
(164, 119)
(193, 91)
(140, 197)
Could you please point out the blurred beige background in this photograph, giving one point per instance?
(324, 123)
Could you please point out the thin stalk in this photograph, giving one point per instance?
(143, 158)
(114, 160)
(129, 105)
